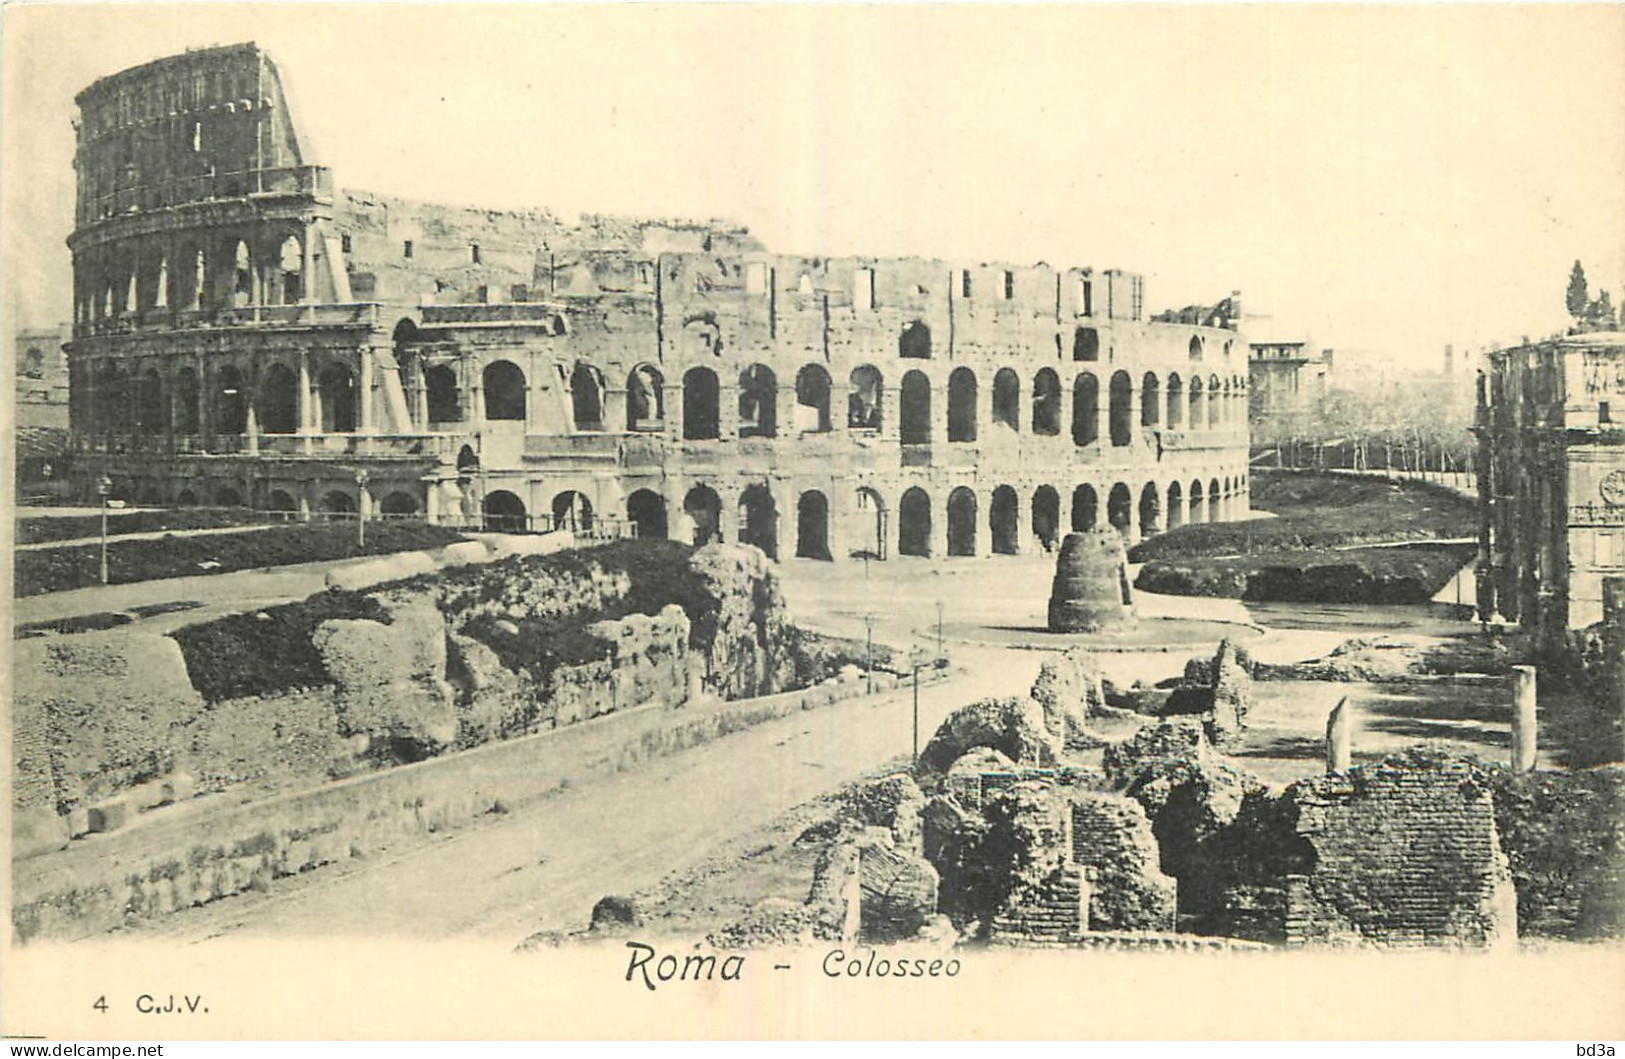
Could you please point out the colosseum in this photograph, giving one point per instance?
(246, 334)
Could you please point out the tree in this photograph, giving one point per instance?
(1579, 296)
(1601, 311)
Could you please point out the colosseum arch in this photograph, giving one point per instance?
(812, 525)
(1196, 347)
(282, 503)
(758, 402)
(444, 402)
(863, 399)
(915, 342)
(1150, 510)
(914, 399)
(1176, 402)
(186, 498)
(504, 512)
(186, 401)
(1176, 506)
(1197, 509)
(504, 384)
(704, 509)
(572, 510)
(1213, 497)
(586, 397)
(1085, 409)
(962, 521)
(279, 401)
(230, 402)
(151, 409)
(1046, 517)
(870, 524)
(197, 297)
(812, 400)
(1119, 509)
(340, 398)
(914, 523)
(1046, 403)
(1004, 521)
(292, 259)
(227, 496)
(398, 504)
(1198, 416)
(962, 405)
(645, 398)
(338, 502)
(759, 519)
(1121, 400)
(1150, 400)
(701, 402)
(1085, 344)
(1007, 399)
(646, 512)
(1215, 403)
(1085, 508)
(242, 282)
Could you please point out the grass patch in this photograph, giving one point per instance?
(105, 619)
(42, 528)
(1361, 575)
(1316, 511)
(59, 569)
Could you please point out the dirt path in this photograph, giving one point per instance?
(544, 866)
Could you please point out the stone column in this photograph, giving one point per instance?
(365, 386)
(1340, 736)
(1523, 718)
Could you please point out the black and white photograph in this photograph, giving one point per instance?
(716, 521)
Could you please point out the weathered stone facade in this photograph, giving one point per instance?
(247, 334)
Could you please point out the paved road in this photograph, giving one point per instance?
(543, 867)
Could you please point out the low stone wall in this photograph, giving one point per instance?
(208, 849)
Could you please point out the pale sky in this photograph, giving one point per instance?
(1371, 177)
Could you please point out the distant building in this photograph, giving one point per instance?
(42, 378)
(1286, 384)
(1551, 473)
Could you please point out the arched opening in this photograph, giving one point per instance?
(1150, 510)
(282, 503)
(1004, 520)
(1085, 344)
(1196, 347)
(230, 402)
(572, 511)
(962, 522)
(1150, 400)
(339, 396)
(915, 342)
(645, 399)
(871, 521)
(759, 520)
(116, 392)
(242, 289)
(504, 512)
(758, 403)
(1122, 409)
(700, 403)
(200, 280)
(1046, 516)
(292, 260)
(1007, 399)
(1213, 498)
(1176, 506)
(1176, 403)
(1197, 416)
(504, 384)
(186, 498)
(962, 405)
(914, 426)
(914, 523)
(646, 511)
(399, 505)
(1046, 403)
(338, 502)
(279, 401)
(812, 526)
(863, 398)
(186, 393)
(151, 410)
(704, 509)
(226, 496)
(1085, 509)
(1197, 510)
(34, 363)
(1215, 402)
(587, 396)
(468, 461)
(812, 400)
(1119, 509)
(1085, 409)
(445, 403)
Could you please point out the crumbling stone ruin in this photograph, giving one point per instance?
(1015, 727)
(1218, 691)
(1070, 689)
(1091, 589)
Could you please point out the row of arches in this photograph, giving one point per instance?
(110, 399)
(200, 275)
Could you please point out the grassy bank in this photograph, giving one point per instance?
(1411, 574)
(40, 528)
(59, 569)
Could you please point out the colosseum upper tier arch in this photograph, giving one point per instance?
(246, 333)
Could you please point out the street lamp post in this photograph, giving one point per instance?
(869, 653)
(361, 511)
(104, 489)
(917, 659)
